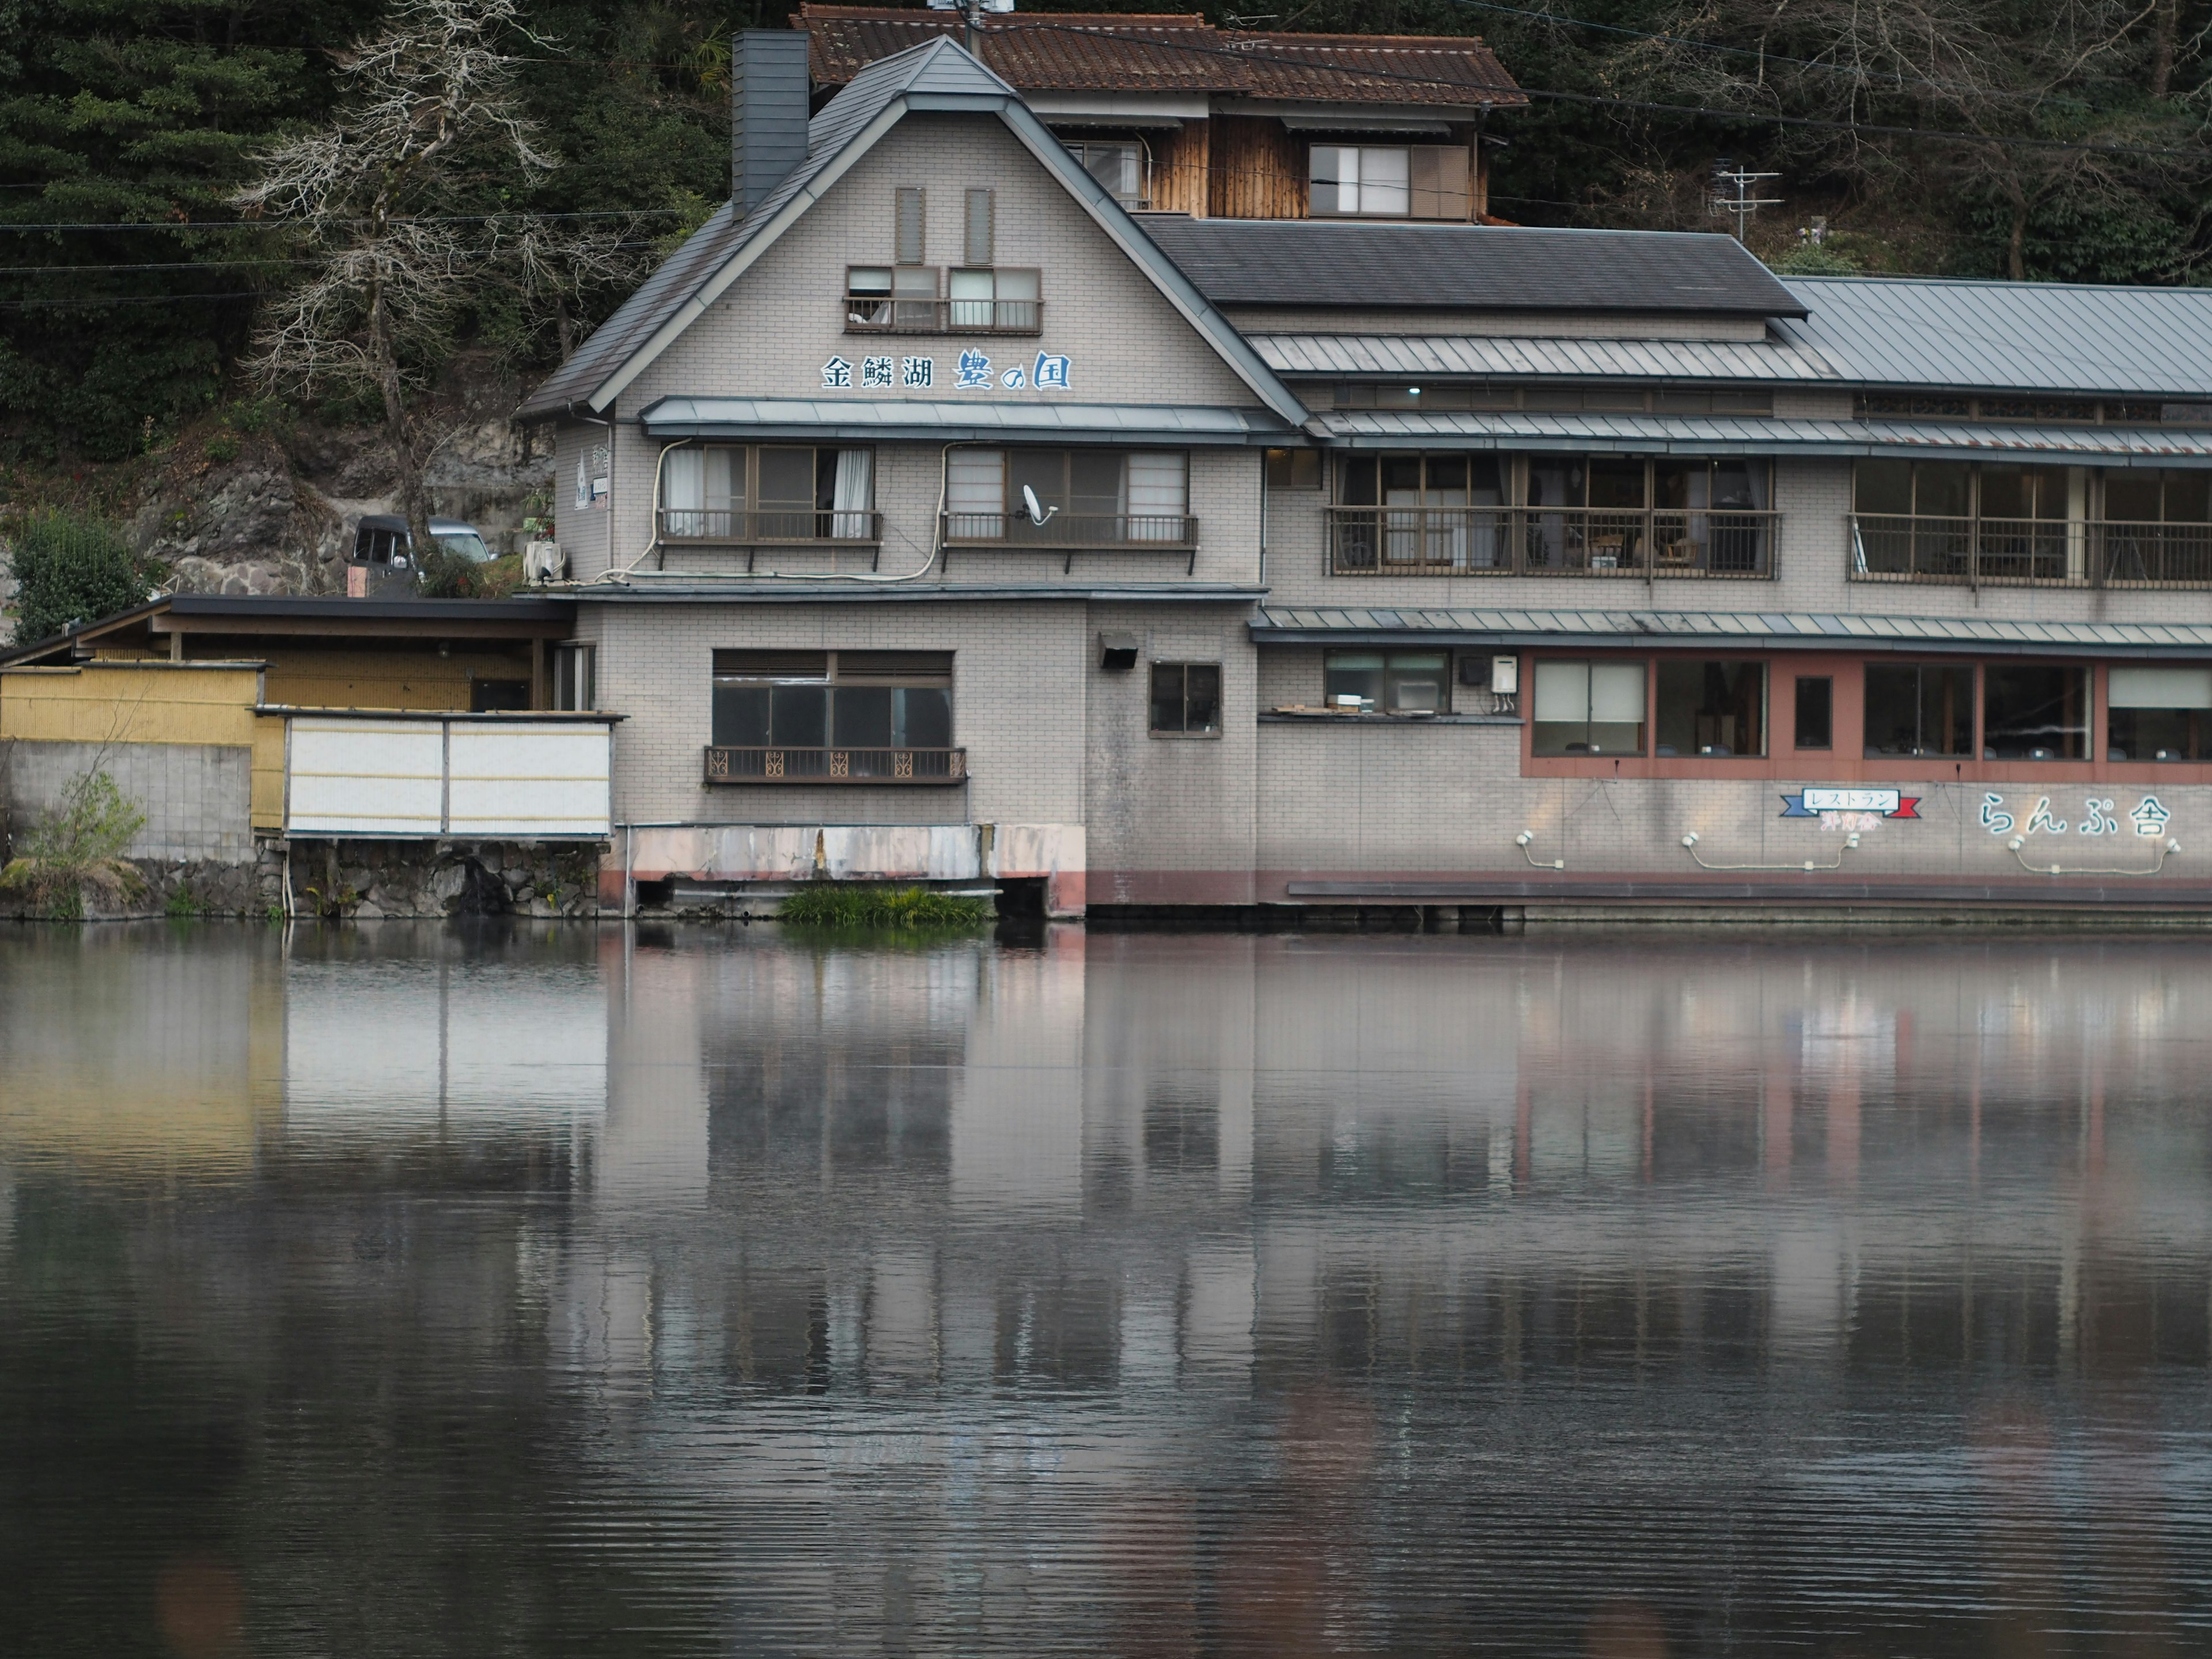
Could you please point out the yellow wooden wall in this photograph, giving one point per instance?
(387, 679)
(208, 703)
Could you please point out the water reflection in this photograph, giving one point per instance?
(408, 1290)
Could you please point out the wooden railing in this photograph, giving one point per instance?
(727, 765)
(1967, 551)
(738, 527)
(1169, 532)
(1535, 541)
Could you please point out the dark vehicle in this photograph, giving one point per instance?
(383, 561)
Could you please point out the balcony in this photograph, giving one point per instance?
(771, 527)
(876, 313)
(896, 767)
(1975, 552)
(1500, 541)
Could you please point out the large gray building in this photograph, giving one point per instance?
(931, 512)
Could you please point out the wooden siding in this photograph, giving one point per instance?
(1256, 169)
(199, 703)
(1179, 162)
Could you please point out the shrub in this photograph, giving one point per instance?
(222, 448)
(443, 575)
(69, 570)
(849, 907)
(80, 843)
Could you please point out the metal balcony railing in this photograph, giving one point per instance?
(726, 764)
(1971, 552)
(879, 314)
(738, 527)
(1169, 532)
(1502, 541)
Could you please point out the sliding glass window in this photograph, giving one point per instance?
(2034, 712)
(1711, 708)
(1588, 708)
(1919, 709)
(2158, 713)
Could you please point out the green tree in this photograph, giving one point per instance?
(68, 570)
(79, 845)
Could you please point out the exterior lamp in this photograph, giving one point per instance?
(2015, 844)
(1524, 838)
(1690, 839)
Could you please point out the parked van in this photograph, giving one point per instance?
(383, 552)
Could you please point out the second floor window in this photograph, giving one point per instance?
(1107, 496)
(1389, 181)
(745, 492)
(1120, 164)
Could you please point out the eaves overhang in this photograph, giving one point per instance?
(644, 588)
(952, 421)
(1745, 631)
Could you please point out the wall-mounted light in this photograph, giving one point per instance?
(1690, 839)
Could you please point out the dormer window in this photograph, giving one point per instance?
(1120, 164)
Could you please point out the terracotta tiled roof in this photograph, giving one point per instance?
(1172, 52)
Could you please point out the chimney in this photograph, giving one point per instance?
(768, 111)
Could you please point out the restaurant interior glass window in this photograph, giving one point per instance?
(1814, 721)
(2035, 711)
(1711, 708)
(2158, 525)
(1427, 512)
(1388, 681)
(2158, 713)
(1588, 708)
(1918, 708)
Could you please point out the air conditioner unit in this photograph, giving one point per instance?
(542, 562)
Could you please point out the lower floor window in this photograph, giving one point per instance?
(2031, 711)
(1919, 709)
(1710, 708)
(2158, 714)
(1588, 708)
(841, 699)
(575, 677)
(1388, 681)
(1187, 697)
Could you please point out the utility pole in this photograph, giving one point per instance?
(1732, 194)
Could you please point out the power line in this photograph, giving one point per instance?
(277, 225)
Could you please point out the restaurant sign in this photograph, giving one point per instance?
(1878, 803)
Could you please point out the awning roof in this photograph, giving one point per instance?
(956, 422)
(654, 587)
(1277, 624)
(1753, 434)
(1467, 356)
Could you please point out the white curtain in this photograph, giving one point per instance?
(684, 491)
(855, 494)
(976, 493)
(1156, 486)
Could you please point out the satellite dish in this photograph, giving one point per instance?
(1037, 513)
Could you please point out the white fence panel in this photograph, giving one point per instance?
(366, 778)
(520, 782)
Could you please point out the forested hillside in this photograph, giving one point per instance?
(1974, 136)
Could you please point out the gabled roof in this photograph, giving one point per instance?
(2051, 337)
(939, 76)
(1307, 263)
(1172, 52)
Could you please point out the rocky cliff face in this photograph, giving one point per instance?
(274, 512)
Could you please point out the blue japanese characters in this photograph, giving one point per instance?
(972, 371)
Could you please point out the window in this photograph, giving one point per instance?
(1425, 181)
(1588, 708)
(2158, 714)
(767, 492)
(2152, 495)
(908, 228)
(1187, 698)
(1919, 709)
(1711, 708)
(575, 677)
(1602, 513)
(1816, 708)
(1121, 165)
(979, 229)
(890, 298)
(2034, 711)
(1421, 512)
(848, 700)
(1082, 495)
(1294, 469)
(1388, 681)
(1001, 301)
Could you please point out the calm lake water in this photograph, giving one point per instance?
(399, 1292)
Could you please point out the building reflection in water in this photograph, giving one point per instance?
(1149, 1295)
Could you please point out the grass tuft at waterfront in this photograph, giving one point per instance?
(851, 908)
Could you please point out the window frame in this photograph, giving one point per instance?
(849, 671)
(1388, 706)
(1419, 159)
(573, 677)
(968, 528)
(1654, 712)
(747, 520)
(1181, 668)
